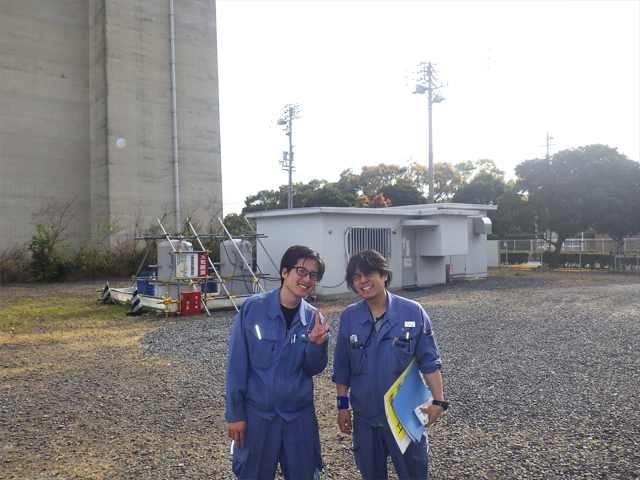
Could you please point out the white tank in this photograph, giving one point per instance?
(231, 264)
(165, 257)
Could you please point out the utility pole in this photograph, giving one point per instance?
(290, 113)
(427, 76)
(548, 144)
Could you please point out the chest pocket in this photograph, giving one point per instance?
(262, 347)
(358, 361)
(403, 352)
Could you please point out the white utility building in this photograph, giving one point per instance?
(424, 244)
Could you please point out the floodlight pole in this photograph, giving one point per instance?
(427, 77)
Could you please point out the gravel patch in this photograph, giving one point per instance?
(543, 377)
(543, 374)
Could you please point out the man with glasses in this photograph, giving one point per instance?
(278, 343)
(377, 339)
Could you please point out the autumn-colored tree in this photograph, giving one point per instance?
(379, 202)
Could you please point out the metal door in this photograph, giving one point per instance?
(409, 258)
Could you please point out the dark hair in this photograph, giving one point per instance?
(368, 262)
(295, 253)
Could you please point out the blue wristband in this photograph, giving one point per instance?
(343, 403)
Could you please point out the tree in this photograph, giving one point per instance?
(418, 176)
(379, 202)
(484, 189)
(488, 166)
(49, 246)
(403, 193)
(465, 169)
(350, 181)
(513, 216)
(267, 200)
(614, 200)
(323, 194)
(372, 179)
(446, 182)
(577, 189)
(237, 225)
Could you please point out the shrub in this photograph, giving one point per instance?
(514, 257)
(14, 264)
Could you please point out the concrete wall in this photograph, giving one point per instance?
(76, 75)
(44, 112)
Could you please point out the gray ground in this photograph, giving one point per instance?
(542, 373)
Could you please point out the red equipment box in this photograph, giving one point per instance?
(191, 303)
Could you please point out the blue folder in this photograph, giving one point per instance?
(412, 393)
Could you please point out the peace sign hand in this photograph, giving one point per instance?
(320, 330)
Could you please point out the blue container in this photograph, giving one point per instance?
(145, 285)
(211, 286)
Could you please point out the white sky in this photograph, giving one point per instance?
(515, 70)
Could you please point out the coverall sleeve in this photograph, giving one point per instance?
(237, 372)
(316, 356)
(427, 354)
(341, 366)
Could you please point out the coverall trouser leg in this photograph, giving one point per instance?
(295, 445)
(372, 446)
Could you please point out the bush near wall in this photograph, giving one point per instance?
(514, 257)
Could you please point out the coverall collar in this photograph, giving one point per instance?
(274, 311)
(389, 315)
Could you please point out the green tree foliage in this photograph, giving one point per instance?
(49, 246)
(237, 225)
(418, 176)
(48, 261)
(577, 189)
(513, 216)
(446, 182)
(267, 200)
(613, 202)
(372, 179)
(485, 188)
(488, 166)
(465, 169)
(402, 193)
(320, 193)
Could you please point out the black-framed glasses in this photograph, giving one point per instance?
(303, 272)
(356, 277)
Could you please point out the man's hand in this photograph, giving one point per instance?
(320, 330)
(344, 421)
(433, 411)
(236, 432)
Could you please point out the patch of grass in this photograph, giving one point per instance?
(56, 312)
(565, 275)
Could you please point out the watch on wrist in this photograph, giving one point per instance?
(444, 405)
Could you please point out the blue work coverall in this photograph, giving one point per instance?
(369, 363)
(270, 386)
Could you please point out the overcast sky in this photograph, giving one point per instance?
(514, 71)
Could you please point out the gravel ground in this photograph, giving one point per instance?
(543, 374)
